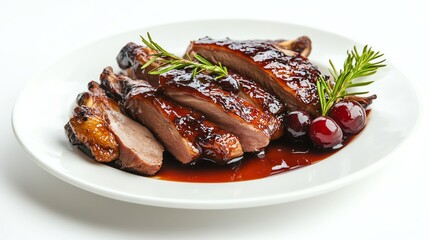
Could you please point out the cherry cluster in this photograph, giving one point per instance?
(345, 117)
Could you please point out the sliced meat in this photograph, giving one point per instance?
(139, 151)
(261, 98)
(89, 131)
(133, 56)
(253, 127)
(291, 77)
(185, 133)
(234, 84)
(258, 95)
(136, 149)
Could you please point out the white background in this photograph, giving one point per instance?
(393, 203)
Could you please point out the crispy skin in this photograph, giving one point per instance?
(253, 127)
(291, 77)
(101, 131)
(259, 96)
(133, 56)
(185, 133)
(88, 129)
(237, 95)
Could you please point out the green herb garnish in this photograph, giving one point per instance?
(356, 65)
(169, 61)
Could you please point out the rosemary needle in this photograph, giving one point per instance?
(356, 65)
(170, 61)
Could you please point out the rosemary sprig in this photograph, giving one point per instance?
(356, 65)
(170, 61)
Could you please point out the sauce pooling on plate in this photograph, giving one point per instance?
(280, 156)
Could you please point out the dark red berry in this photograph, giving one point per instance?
(349, 115)
(297, 123)
(229, 84)
(325, 132)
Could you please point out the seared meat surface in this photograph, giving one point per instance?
(185, 133)
(89, 131)
(194, 116)
(237, 104)
(256, 94)
(133, 56)
(253, 127)
(104, 133)
(291, 77)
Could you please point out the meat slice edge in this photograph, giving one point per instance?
(147, 113)
(251, 139)
(88, 130)
(133, 141)
(292, 78)
(176, 126)
(247, 89)
(134, 155)
(228, 110)
(260, 97)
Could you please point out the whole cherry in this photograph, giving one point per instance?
(349, 115)
(325, 132)
(297, 123)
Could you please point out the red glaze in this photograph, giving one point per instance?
(214, 142)
(206, 138)
(294, 75)
(259, 95)
(279, 158)
(133, 56)
(205, 87)
(349, 115)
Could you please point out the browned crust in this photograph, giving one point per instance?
(205, 87)
(89, 131)
(292, 78)
(204, 137)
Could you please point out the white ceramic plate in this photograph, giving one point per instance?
(46, 103)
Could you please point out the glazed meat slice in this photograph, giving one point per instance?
(291, 77)
(88, 130)
(258, 95)
(250, 94)
(144, 105)
(253, 127)
(261, 98)
(186, 134)
(103, 132)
